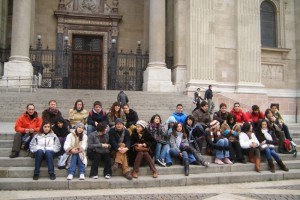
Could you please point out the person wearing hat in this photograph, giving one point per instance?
(217, 144)
(119, 139)
(76, 145)
(99, 147)
(142, 145)
(231, 130)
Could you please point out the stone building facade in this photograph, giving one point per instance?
(248, 50)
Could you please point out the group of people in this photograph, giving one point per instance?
(120, 135)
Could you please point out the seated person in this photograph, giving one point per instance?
(179, 114)
(78, 114)
(61, 130)
(202, 116)
(240, 116)
(255, 116)
(131, 118)
(222, 114)
(96, 116)
(114, 113)
(52, 113)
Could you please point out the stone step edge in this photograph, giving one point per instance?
(145, 181)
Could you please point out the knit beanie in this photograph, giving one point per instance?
(119, 120)
(78, 124)
(171, 119)
(142, 123)
(214, 124)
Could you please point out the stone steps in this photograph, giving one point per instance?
(146, 181)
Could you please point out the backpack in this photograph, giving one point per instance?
(289, 147)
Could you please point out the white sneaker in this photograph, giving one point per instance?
(70, 177)
(81, 177)
(95, 177)
(107, 176)
(293, 143)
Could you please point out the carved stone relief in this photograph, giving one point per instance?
(273, 71)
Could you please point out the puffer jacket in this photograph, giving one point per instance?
(24, 122)
(45, 142)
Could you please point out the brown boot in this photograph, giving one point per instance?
(155, 174)
(257, 165)
(271, 165)
(251, 157)
(282, 166)
(134, 174)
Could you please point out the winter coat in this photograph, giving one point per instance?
(245, 141)
(146, 138)
(51, 115)
(202, 117)
(24, 122)
(240, 116)
(220, 117)
(180, 117)
(97, 117)
(260, 136)
(61, 132)
(208, 94)
(131, 118)
(72, 141)
(254, 118)
(95, 142)
(77, 116)
(122, 98)
(183, 141)
(45, 142)
(115, 138)
(159, 133)
(111, 119)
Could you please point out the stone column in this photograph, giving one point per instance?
(19, 64)
(157, 77)
(3, 22)
(201, 44)
(297, 26)
(179, 70)
(249, 46)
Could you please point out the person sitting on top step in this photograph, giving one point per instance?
(51, 114)
(179, 114)
(96, 115)
(78, 113)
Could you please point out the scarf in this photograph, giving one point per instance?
(267, 134)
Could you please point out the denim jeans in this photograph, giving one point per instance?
(271, 153)
(222, 153)
(39, 154)
(90, 129)
(175, 154)
(286, 132)
(161, 150)
(74, 161)
(168, 158)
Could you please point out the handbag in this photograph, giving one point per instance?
(142, 149)
(62, 162)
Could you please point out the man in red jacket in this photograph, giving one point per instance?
(26, 125)
(240, 116)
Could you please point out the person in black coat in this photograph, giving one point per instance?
(95, 116)
(131, 118)
(61, 130)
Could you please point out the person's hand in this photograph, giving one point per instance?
(180, 154)
(105, 145)
(263, 142)
(27, 130)
(74, 151)
(31, 130)
(96, 123)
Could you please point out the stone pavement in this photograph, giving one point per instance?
(288, 189)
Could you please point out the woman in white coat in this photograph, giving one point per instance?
(75, 146)
(250, 145)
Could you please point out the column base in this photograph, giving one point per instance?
(158, 79)
(179, 77)
(17, 74)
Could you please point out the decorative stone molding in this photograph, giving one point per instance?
(273, 71)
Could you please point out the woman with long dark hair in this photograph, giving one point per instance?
(114, 113)
(78, 113)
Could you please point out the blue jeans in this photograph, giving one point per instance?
(161, 150)
(74, 161)
(175, 153)
(168, 158)
(90, 129)
(286, 132)
(39, 154)
(271, 152)
(220, 154)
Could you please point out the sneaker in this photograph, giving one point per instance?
(160, 162)
(218, 161)
(36, 177)
(70, 177)
(95, 177)
(168, 164)
(52, 177)
(293, 143)
(14, 154)
(206, 164)
(227, 161)
(81, 177)
(107, 176)
(128, 176)
(134, 174)
(155, 175)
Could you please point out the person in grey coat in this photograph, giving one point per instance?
(122, 98)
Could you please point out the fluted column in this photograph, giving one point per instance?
(19, 64)
(157, 77)
(3, 22)
(201, 44)
(249, 46)
(179, 70)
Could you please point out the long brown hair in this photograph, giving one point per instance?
(113, 112)
(174, 130)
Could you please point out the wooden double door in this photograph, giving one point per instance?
(87, 62)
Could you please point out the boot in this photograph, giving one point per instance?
(251, 157)
(271, 165)
(14, 154)
(186, 167)
(282, 166)
(257, 165)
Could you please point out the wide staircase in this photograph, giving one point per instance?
(16, 174)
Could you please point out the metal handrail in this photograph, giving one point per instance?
(10, 82)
